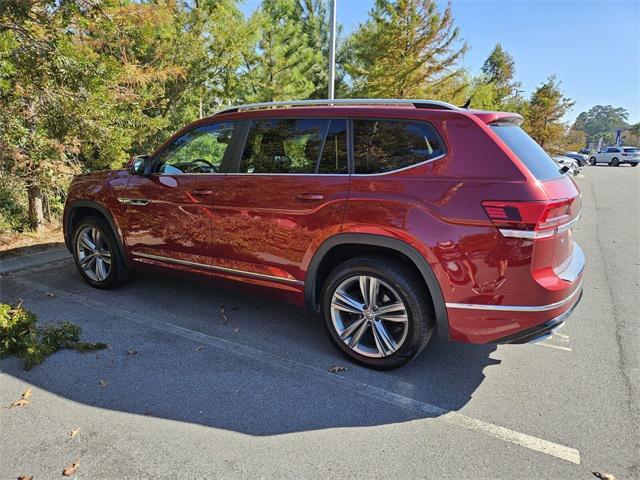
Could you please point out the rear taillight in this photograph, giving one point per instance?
(530, 219)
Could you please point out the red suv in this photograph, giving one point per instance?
(392, 219)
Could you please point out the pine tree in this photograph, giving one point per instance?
(499, 70)
(407, 48)
(543, 119)
(282, 66)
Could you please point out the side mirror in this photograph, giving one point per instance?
(142, 165)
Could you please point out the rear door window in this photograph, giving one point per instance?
(381, 146)
(528, 151)
(295, 146)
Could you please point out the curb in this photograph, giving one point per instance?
(37, 259)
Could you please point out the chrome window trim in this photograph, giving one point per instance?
(415, 165)
(216, 268)
(516, 308)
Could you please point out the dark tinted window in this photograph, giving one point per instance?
(295, 146)
(200, 150)
(386, 145)
(632, 150)
(528, 151)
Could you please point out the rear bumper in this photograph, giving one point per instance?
(539, 332)
(520, 323)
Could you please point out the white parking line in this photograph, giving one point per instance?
(487, 428)
(557, 347)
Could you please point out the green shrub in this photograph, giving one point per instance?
(13, 204)
(20, 336)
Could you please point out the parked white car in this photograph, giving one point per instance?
(617, 156)
(572, 164)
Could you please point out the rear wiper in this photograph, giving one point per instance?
(564, 170)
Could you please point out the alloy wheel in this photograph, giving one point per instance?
(369, 316)
(94, 255)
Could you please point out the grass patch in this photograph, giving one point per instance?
(21, 336)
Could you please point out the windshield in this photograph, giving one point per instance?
(528, 151)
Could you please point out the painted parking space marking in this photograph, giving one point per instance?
(550, 345)
(530, 442)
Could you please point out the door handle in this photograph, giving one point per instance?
(310, 196)
(202, 192)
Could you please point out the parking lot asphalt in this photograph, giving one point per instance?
(187, 391)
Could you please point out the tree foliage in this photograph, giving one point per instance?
(406, 49)
(543, 119)
(285, 62)
(601, 121)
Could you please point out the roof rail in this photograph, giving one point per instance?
(431, 104)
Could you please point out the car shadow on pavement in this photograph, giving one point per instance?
(264, 372)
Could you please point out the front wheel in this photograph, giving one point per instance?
(377, 311)
(592, 161)
(96, 254)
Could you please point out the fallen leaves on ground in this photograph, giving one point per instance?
(236, 330)
(25, 477)
(604, 476)
(74, 432)
(337, 368)
(132, 352)
(23, 400)
(103, 383)
(199, 347)
(49, 294)
(224, 317)
(71, 469)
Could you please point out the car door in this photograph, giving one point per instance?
(286, 192)
(169, 212)
(609, 154)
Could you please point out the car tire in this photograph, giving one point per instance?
(634, 164)
(615, 162)
(97, 255)
(394, 328)
(592, 161)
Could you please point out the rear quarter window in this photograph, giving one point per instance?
(381, 146)
(539, 163)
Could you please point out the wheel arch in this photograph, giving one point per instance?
(82, 208)
(319, 267)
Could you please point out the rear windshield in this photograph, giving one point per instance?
(632, 150)
(528, 151)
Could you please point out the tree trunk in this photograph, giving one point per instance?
(36, 212)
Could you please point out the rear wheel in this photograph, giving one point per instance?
(615, 162)
(377, 311)
(592, 161)
(634, 164)
(96, 254)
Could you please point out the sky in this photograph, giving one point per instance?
(592, 46)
